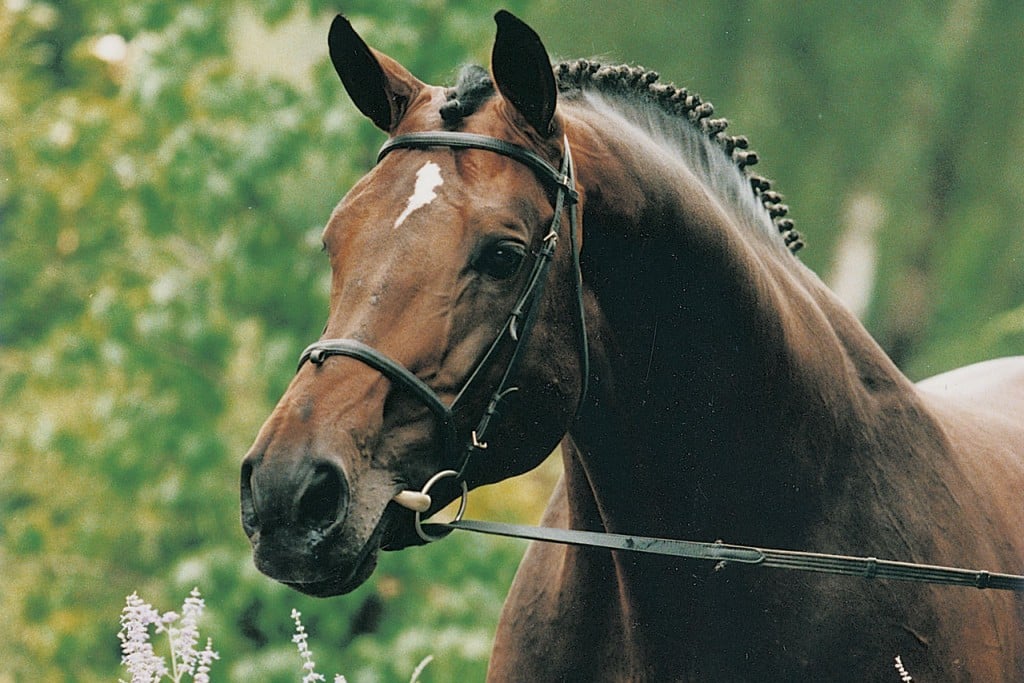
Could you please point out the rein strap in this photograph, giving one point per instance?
(864, 567)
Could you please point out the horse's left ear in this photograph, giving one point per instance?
(522, 71)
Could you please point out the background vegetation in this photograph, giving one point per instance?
(165, 170)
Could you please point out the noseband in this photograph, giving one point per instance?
(457, 453)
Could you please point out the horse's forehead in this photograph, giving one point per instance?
(424, 191)
(392, 198)
(415, 194)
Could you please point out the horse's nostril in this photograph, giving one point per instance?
(250, 518)
(325, 498)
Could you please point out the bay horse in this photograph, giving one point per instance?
(701, 381)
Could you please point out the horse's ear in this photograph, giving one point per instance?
(522, 72)
(379, 86)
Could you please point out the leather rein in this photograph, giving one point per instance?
(723, 554)
(516, 331)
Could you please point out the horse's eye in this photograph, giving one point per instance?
(500, 260)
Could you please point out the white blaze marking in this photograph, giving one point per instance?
(428, 179)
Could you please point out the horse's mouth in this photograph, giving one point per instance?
(343, 583)
(340, 559)
(394, 531)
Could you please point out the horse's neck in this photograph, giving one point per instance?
(729, 385)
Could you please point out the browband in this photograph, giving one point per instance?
(544, 170)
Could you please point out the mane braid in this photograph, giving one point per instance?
(474, 87)
(631, 81)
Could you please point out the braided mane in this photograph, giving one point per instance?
(631, 83)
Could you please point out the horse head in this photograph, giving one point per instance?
(439, 320)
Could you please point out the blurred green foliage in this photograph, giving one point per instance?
(161, 202)
(160, 216)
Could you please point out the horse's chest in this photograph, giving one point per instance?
(683, 623)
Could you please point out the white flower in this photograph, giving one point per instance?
(902, 671)
(204, 659)
(111, 48)
(142, 663)
(185, 637)
(300, 638)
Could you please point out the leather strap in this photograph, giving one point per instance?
(864, 567)
(544, 170)
(319, 351)
(562, 181)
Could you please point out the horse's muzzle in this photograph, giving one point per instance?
(292, 513)
(307, 500)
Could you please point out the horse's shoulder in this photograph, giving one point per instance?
(990, 393)
(1002, 375)
(981, 410)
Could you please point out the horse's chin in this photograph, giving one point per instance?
(341, 584)
(322, 572)
(343, 580)
(395, 532)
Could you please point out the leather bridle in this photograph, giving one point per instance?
(458, 452)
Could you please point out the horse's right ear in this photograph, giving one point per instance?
(379, 86)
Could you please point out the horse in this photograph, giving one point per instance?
(580, 255)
